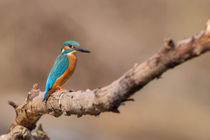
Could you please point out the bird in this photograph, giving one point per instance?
(63, 68)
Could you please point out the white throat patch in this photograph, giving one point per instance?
(73, 52)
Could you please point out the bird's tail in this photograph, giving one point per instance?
(45, 96)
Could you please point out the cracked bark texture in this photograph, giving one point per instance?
(22, 133)
(109, 98)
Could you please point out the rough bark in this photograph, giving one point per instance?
(109, 98)
(22, 133)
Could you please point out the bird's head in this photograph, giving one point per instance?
(73, 46)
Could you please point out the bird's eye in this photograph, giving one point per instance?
(70, 46)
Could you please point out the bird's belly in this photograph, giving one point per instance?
(69, 71)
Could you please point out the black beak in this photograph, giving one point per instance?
(82, 50)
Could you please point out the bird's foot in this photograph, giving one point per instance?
(61, 89)
(60, 97)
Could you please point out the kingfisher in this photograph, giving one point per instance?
(63, 67)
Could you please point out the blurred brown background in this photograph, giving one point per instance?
(119, 33)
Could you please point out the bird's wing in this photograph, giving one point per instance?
(59, 67)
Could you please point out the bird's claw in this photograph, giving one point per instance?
(60, 97)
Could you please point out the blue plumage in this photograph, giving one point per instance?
(59, 67)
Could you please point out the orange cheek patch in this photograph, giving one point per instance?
(66, 47)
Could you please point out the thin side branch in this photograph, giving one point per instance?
(109, 98)
(13, 104)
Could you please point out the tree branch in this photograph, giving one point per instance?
(22, 133)
(109, 98)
